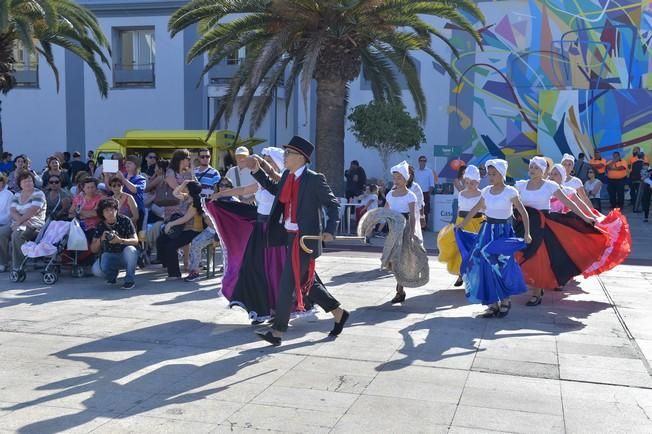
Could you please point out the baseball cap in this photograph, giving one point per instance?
(242, 150)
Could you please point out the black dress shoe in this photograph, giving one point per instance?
(398, 298)
(269, 337)
(337, 328)
(458, 282)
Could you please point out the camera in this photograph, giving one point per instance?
(110, 235)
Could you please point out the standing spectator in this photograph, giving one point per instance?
(54, 168)
(599, 164)
(65, 164)
(581, 167)
(6, 197)
(58, 199)
(90, 168)
(356, 178)
(190, 224)
(76, 165)
(593, 187)
(126, 204)
(115, 237)
(6, 165)
(151, 159)
(205, 174)
(635, 169)
(484, 179)
(27, 210)
(97, 173)
(240, 174)
(636, 156)
(134, 184)
(426, 178)
(646, 185)
(84, 206)
(91, 155)
(617, 175)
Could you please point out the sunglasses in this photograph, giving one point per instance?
(422, 161)
(204, 156)
(54, 182)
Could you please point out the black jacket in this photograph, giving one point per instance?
(314, 193)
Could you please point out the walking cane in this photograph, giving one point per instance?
(318, 237)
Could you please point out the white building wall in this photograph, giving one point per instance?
(160, 107)
(34, 119)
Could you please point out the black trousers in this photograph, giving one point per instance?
(633, 192)
(167, 247)
(616, 189)
(647, 194)
(318, 294)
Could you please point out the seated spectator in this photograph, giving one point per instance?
(368, 200)
(116, 241)
(20, 164)
(58, 200)
(27, 210)
(181, 231)
(6, 165)
(5, 218)
(84, 206)
(54, 168)
(91, 165)
(99, 169)
(126, 204)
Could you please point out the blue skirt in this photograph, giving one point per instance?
(488, 267)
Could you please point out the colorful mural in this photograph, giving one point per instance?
(563, 53)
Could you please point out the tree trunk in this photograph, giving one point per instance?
(384, 156)
(331, 115)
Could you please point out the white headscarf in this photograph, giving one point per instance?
(562, 171)
(472, 173)
(499, 165)
(276, 154)
(568, 157)
(403, 169)
(540, 162)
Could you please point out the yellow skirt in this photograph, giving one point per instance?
(449, 254)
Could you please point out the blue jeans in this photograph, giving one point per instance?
(110, 263)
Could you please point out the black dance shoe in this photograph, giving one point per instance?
(458, 282)
(503, 309)
(491, 311)
(269, 337)
(337, 328)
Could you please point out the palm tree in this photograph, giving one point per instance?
(39, 25)
(330, 41)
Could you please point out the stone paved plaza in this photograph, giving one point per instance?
(170, 357)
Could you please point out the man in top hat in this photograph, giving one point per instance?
(300, 196)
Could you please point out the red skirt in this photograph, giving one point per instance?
(620, 242)
(563, 246)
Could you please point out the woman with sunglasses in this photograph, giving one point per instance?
(593, 188)
(126, 203)
(54, 168)
(57, 198)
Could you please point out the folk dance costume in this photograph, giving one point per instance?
(299, 199)
(449, 252)
(563, 245)
(490, 273)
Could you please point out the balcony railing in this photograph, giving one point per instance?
(133, 75)
(26, 75)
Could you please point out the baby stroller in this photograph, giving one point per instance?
(50, 245)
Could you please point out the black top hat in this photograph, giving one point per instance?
(302, 146)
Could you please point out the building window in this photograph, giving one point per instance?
(26, 66)
(233, 58)
(136, 52)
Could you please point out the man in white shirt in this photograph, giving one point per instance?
(240, 175)
(426, 178)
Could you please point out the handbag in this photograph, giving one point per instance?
(76, 237)
(176, 230)
(164, 196)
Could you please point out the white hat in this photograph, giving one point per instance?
(242, 150)
(276, 154)
(540, 162)
(561, 169)
(403, 169)
(472, 173)
(498, 164)
(567, 157)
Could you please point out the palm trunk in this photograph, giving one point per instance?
(331, 111)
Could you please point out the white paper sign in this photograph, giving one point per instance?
(110, 166)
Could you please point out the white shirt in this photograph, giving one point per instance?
(590, 185)
(499, 206)
(264, 201)
(246, 178)
(573, 183)
(418, 192)
(370, 201)
(467, 203)
(401, 203)
(539, 198)
(425, 178)
(289, 226)
(5, 200)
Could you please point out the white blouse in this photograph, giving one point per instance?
(418, 192)
(539, 198)
(401, 203)
(590, 185)
(499, 206)
(264, 201)
(467, 203)
(574, 182)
